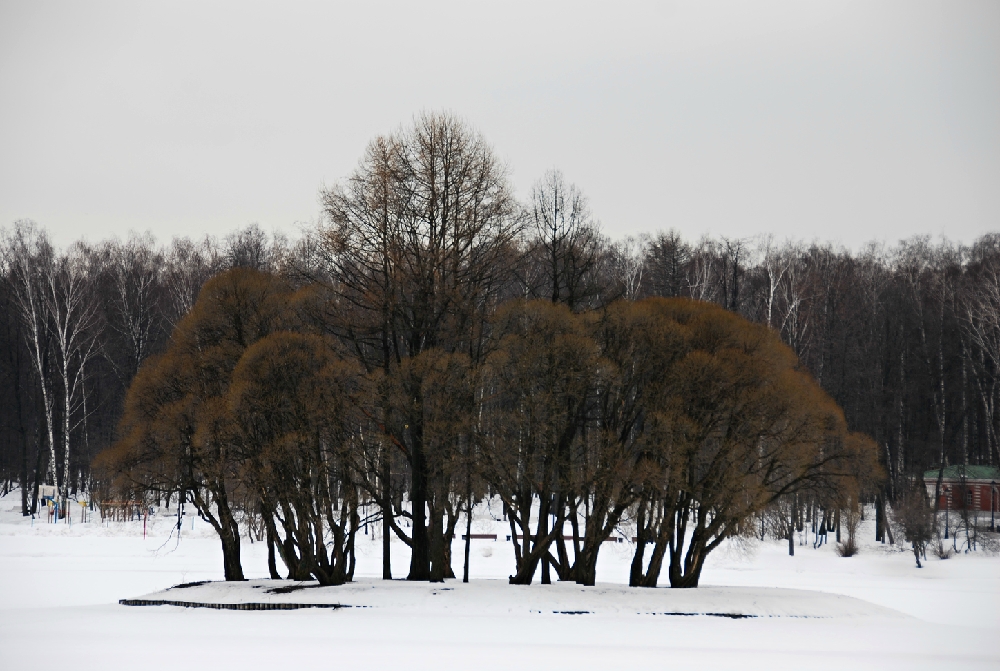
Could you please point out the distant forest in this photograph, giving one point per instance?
(905, 338)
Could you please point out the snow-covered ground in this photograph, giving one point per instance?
(60, 586)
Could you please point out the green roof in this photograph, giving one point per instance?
(958, 471)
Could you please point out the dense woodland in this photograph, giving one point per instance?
(406, 332)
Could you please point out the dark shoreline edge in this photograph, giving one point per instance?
(229, 606)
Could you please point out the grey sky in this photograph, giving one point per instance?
(835, 121)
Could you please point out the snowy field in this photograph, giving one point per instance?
(60, 586)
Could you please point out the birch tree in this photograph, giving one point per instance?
(135, 269)
(71, 311)
(30, 257)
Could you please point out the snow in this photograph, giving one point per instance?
(486, 597)
(60, 586)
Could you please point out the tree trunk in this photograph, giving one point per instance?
(879, 513)
(635, 571)
(229, 533)
(386, 519)
(231, 565)
(67, 411)
(14, 356)
(420, 568)
(468, 535)
(543, 529)
(436, 545)
(791, 528)
(39, 467)
(268, 520)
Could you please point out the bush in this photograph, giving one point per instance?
(916, 519)
(851, 516)
(943, 551)
(848, 548)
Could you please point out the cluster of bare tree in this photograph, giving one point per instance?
(76, 327)
(674, 413)
(903, 338)
(419, 294)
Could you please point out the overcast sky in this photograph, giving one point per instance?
(835, 121)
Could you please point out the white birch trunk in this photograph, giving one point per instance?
(30, 257)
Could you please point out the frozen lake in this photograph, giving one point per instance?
(60, 586)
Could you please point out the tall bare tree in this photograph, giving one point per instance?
(565, 243)
(30, 259)
(417, 244)
(72, 311)
(135, 269)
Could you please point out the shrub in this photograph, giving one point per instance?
(848, 548)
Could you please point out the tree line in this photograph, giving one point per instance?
(422, 275)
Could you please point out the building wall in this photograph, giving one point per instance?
(976, 494)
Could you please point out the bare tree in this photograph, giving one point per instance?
(417, 244)
(916, 519)
(135, 268)
(565, 243)
(627, 264)
(251, 247)
(981, 322)
(188, 266)
(30, 258)
(667, 257)
(776, 263)
(72, 312)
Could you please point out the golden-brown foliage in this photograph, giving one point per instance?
(175, 433)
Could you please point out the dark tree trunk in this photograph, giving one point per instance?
(687, 574)
(791, 528)
(652, 576)
(386, 520)
(436, 545)
(231, 558)
(586, 562)
(635, 573)
(225, 525)
(468, 529)
(447, 537)
(543, 529)
(22, 473)
(468, 548)
(420, 567)
(879, 512)
(272, 564)
(230, 539)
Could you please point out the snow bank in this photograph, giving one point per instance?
(486, 597)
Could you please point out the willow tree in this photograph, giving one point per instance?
(176, 432)
(536, 387)
(293, 402)
(416, 242)
(737, 425)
